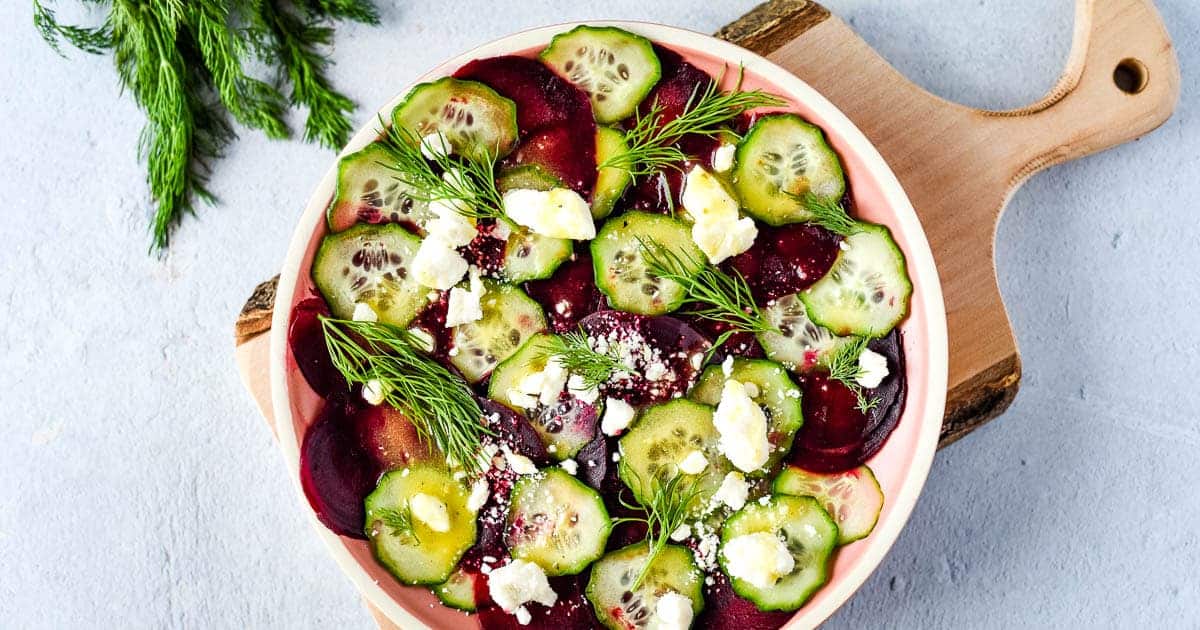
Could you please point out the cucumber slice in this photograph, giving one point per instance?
(529, 176)
(614, 67)
(866, 291)
(509, 318)
(611, 182)
(368, 191)
(619, 607)
(476, 120)
(800, 344)
(557, 522)
(621, 272)
(527, 255)
(369, 264)
(809, 534)
(459, 591)
(777, 395)
(419, 555)
(663, 436)
(853, 498)
(569, 424)
(780, 159)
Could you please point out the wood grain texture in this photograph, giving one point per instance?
(958, 165)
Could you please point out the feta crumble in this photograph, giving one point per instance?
(673, 611)
(722, 159)
(733, 491)
(479, 493)
(518, 463)
(570, 465)
(435, 145)
(437, 264)
(578, 389)
(617, 416)
(760, 558)
(693, 464)
(872, 368)
(373, 392)
(743, 428)
(364, 313)
(431, 511)
(518, 582)
(557, 213)
(717, 228)
(464, 305)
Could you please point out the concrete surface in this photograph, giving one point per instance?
(139, 489)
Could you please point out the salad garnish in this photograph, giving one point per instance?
(844, 368)
(577, 356)
(668, 510)
(829, 214)
(400, 521)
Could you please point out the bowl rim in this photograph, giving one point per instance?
(918, 255)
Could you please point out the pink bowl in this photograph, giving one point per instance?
(901, 465)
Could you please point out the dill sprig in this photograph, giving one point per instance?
(438, 403)
(575, 352)
(400, 521)
(652, 142)
(669, 508)
(843, 367)
(470, 183)
(829, 214)
(718, 296)
(184, 64)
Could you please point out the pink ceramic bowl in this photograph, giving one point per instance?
(901, 465)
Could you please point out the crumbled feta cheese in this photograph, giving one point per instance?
(722, 159)
(557, 213)
(751, 389)
(681, 533)
(501, 231)
(521, 399)
(463, 307)
(424, 340)
(435, 145)
(554, 380)
(523, 616)
(570, 465)
(479, 493)
(717, 228)
(580, 390)
(743, 428)
(518, 463)
(616, 457)
(760, 558)
(655, 371)
(431, 511)
(693, 464)
(518, 582)
(872, 368)
(733, 491)
(373, 392)
(364, 313)
(673, 611)
(437, 264)
(617, 416)
(450, 225)
(727, 366)
(706, 548)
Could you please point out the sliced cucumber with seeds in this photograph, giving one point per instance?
(621, 271)
(616, 68)
(557, 522)
(368, 191)
(778, 396)
(800, 344)
(662, 437)
(528, 255)
(620, 607)
(781, 159)
(611, 181)
(369, 264)
(809, 534)
(866, 291)
(417, 554)
(509, 318)
(853, 498)
(476, 120)
(459, 591)
(568, 424)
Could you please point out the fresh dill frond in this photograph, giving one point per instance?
(652, 141)
(90, 40)
(829, 214)
(438, 403)
(718, 296)
(669, 508)
(575, 352)
(400, 521)
(844, 368)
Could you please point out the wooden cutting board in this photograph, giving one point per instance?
(958, 165)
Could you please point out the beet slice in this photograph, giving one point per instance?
(740, 344)
(836, 436)
(307, 342)
(593, 462)
(676, 343)
(786, 259)
(570, 294)
(571, 612)
(388, 437)
(513, 430)
(723, 608)
(336, 472)
(543, 99)
(566, 151)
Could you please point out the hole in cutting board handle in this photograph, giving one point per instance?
(1130, 75)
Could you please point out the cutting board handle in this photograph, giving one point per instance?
(1121, 81)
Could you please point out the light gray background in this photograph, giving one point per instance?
(139, 488)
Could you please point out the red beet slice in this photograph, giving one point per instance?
(432, 320)
(335, 471)
(307, 342)
(388, 437)
(836, 436)
(723, 608)
(739, 344)
(513, 430)
(566, 151)
(543, 99)
(786, 259)
(674, 343)
(593, 462)
(570, 294)
(486, 251)
(571, 612)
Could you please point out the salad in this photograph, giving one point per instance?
(601, 343)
